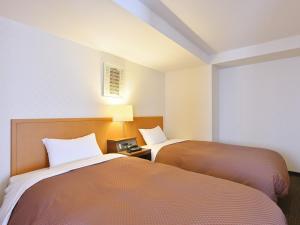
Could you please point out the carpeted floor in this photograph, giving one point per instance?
(290, 205)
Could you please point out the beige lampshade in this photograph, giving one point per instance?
(123, 113)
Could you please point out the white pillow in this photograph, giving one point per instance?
(153, 136)
(67, 150)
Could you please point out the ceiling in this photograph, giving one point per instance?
(102, 25)
(169, 34)
(231, 24)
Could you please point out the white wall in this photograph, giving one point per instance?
(188, 96)
(42, 76)
(259, 105)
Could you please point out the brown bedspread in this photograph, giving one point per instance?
(259, 168)
(133, 191)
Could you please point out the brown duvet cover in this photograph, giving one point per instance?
(133, 191)
(259, 168)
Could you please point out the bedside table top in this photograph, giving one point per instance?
(121, 139)
(144, 151)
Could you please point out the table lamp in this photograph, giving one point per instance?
(123, 113)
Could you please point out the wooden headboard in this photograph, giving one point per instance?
(28, 153)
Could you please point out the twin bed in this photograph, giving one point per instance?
(259, 168)
(111, 189)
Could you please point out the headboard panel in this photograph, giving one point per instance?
(28, 153)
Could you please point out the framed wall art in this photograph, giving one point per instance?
(113, 81)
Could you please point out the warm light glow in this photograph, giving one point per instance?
(113, 100)
(116, 100)
(122, 113)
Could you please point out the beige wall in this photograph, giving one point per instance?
(42, 76)
(188, 108)
(259, 105)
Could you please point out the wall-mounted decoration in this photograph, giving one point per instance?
(113, 79)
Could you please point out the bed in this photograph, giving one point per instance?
(259, 168)
(132, 191)
(113, 189)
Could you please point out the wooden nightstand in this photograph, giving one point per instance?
(118, 145)
(145, 153)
